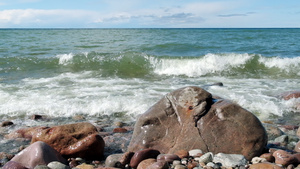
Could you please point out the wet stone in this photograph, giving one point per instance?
(195, 153)
(57, 165)
(146, 163)
(167, 157)
(142, 155)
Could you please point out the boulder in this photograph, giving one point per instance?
(189, 118)
(73, 140)
(38, 153)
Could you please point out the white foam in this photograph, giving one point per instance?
(210, 63)
(64, 59)
(285, 64)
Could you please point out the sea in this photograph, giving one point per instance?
(120, 73)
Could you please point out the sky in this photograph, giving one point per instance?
(149, 13)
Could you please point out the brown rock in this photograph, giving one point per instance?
(269, 157)
(146, 163)
(265, 166)
(291, 166)
(142, 155)
(73, 140)
(192, 164)
(38, 153)
(284, 158)
(188, 118)
(26, 133)
(6, 123)
(120, 130)
(182, 153)
(290, 94)
(167, 157)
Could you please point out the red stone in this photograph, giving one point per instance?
(265, 166)
(120, 130)
(26, 133)
(269, 157)
(73, 140)
(284, 158)
(182, 153)
(142, 155)
(146, 163)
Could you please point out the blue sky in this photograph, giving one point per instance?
(149, 13)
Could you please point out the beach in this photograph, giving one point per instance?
(106, 76)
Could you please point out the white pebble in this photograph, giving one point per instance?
(256, 160)
(195, 152)
(205, 158)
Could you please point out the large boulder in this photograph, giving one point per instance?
(189, 118)
(73, 140)
(38, 153)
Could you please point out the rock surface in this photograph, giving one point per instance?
(73, 140)
(38, 153)
(189, 118)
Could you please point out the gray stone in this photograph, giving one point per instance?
(180, 167)
(113, 160)
(205, 158)
(282, 139)
(57, 165)
(230, 160)
(41, 167)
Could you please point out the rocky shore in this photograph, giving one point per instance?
(189, 128)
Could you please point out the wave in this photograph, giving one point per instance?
(141, 65)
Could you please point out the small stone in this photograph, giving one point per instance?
(41, 167)
(210, 164)
(57, 165)
(6, 123)
(256, 160)
(268, 156)
(191, 165)
(184, 161)
(265, 166)
(79, 160)
(120, 130)
(284, 158)
(182, 154)
(167, 157)
(180, 167)
(85, 166)
(230, 160)
(112, 160)
(205, 158)
(195, 153)
(176, 162)
(146, 163)
(142, 155)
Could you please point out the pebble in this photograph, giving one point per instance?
(41, 167)
(195, 153)
(113, 160)
(6, 123)
(180, 167)
(205, 158)
(265, 166)
(57, 165)
(85, 166)
(284, 158)
(167, 157)
(142, 155)
(230, 160)
(256, 160)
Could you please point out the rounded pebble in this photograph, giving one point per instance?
(41, 167)
(205, 158)
(57, 165)
(195, 153)
(180, 167)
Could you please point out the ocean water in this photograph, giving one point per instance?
(121, 73)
